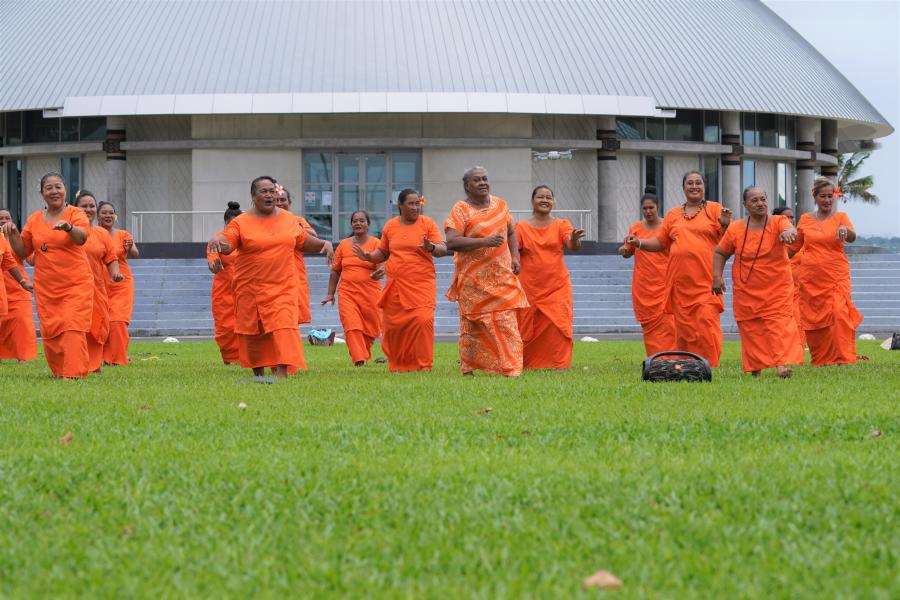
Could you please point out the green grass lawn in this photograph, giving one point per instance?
(354, 482)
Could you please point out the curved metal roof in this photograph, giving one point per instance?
(552, 56)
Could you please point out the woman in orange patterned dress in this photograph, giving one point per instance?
(360, 290)
(480, 232)
(222, 295)
(409, 243)
(63, 281)
(105, 268)
(546, 326)
(18, 339)
(826, 307)
(691, 232)
(121, 296)
(648, 280)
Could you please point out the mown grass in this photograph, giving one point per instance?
(354, 482)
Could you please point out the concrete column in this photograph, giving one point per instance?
(731, 161)
(115, 166)
(829, 139)
(806, 168)
(606, 180)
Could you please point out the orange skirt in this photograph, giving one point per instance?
(227, 340)
(95, 354)
(545, 346)
(768, 342)
(408, 339)
(490, 342)
(115, 350)
(18, 338)
(67, 354)
(835, 344)
(278, 347)
(659, 334)
(359, 345)
(698, 330)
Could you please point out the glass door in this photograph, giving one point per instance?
(14, 195)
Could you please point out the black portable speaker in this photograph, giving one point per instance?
(691, 367)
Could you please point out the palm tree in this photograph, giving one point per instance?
(855, 189)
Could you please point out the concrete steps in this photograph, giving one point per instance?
(172, 296)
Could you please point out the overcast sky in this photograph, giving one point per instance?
(862, 39)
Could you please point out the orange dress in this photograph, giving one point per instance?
(410, 294)
(763, 295)
(100, 251)
(222, 304)
(265, 289)
(18, 339)
(796, 265)
(358, 296)
(829, 317)
(488, 293)
(63, 291)
(121, 304)
(689, 296)
(648, 294)
(302, 278)
(545, 326)
(7, 263)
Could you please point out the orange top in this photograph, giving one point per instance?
(14, 291)
(648, 280)
(298, 253)
(223, 280)
(410, 270)
(100, 251)
(121, 295)
(761, 272)
(265, 287)
(483, 280)
(7, 262)
(544, 275)
(63, 281)
(825, 267)
(691, 243)
(355, 273)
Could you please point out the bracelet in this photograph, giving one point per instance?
(71, 227)
(640, 244)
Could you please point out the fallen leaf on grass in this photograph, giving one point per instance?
(875, 433)
(526, 432)
(66, 438)
(486, 410)
(151, 358)
(501, 437)
(143, 407)
(603, 580)
(242, 406)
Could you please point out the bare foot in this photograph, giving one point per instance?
(784, 372)
(755, 373)
(359, 363)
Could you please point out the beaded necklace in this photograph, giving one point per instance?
(700, 208)
(762, 234)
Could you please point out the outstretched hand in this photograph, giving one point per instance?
(9, 228)
(328, 298)
(842, 232)
(576, 236)
(788, 236)
(328, 251)
(725, 217)
(624, 252)
(360, 253)
(426, 245)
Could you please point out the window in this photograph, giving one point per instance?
(653, 175)
(335, 184)
(767, 130)
(37, 129)
(13, 129)
(781, 186)
(630, 128)
(711, 132)
(656, 129)
(748, 174)
(786, 131)
(92, 129)
(69, 129)
(31, 127)
(14, 195)
(70, 169)
(685, 126)
(748, 129)
(709, 165)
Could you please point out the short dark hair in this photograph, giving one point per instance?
(363, 212)
(233, 210)
(105, 203)
(541, 187)
(82, 193)
(650, 194)
(780, 210)
(52, 174)
(257, 180)
(689, 173)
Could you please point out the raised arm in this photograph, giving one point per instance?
(376, 256)
(457, 242)
(651, 244)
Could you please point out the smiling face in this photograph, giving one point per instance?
(542, 201)
(264, 196)
(756, 203)
(478, 186)
(89, 206)
(54, 192)
(825, 198)
(359, 223)
(410, 207)
(789, 213)
(694, 189)
(281, 199)
(5, 217)
(649, 210)
(106, 216)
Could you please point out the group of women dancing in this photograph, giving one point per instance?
(791, 283)
(510, 281)
(83, 289)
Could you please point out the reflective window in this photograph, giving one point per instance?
(710, 168)
(14, 196)
(656, 129)
(37, 129)
(767, 129)
(685, 126)
(748, 173)
(711, 131)
(12, 132)
(93, 129)
(70, 169)
(786, 126)
(748, 129)
(653, 175)
(781, 184)
(630, 128)
(69, 129)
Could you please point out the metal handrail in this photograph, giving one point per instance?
(585, 218)
(137, 220)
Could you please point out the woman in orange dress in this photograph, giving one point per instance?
(826, 307)
(796, 260)
(105, 269)
(546, 326)
(480, 232)
(265, 281)
(222, 296)
(63, 281)
(763, 286)
(121, 295)
(283, 201)
(648, 280)
(691, 232)
(409, 243)
(360, 290)
(18, 339)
